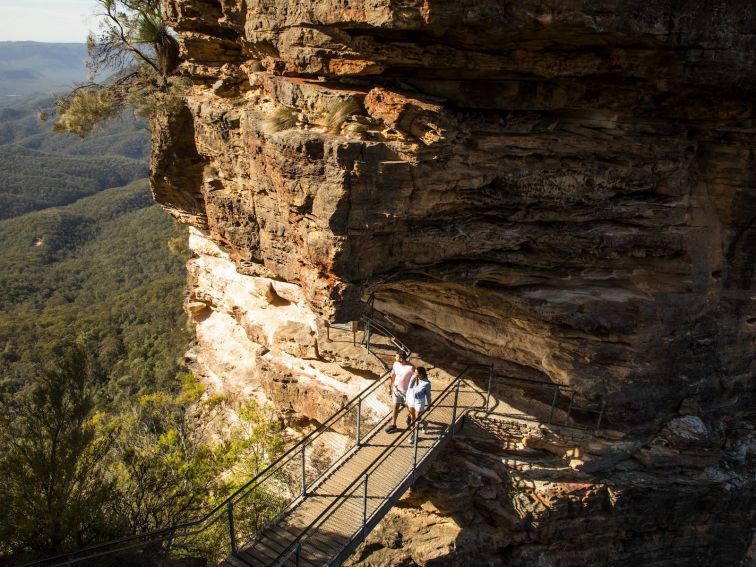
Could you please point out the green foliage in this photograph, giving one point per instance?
(150, 27)
(166, 468)
(282, 118)
(85, 109)
(75, 470)
(100, 270)
(135, 42)
(34, 180)
(103, 270)
(54, 486)
(41, 170)
(19, 125)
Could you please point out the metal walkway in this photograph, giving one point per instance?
(326, 524)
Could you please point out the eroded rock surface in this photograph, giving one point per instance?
(495, 500)
(564, 190)
(257, 337)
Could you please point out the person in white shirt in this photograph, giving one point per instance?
(401, 374)
(418, 395)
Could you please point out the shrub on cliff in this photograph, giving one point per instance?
(77, 468)
(53, 481)
(338, 112)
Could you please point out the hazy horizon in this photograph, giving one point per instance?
(47, 21)
(28, 67)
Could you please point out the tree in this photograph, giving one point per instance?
(140, 54)
(78, 467)
(173, 468)
(53, 485)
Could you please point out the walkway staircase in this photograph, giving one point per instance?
(333, 515)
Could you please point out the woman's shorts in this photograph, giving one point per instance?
(417, 405)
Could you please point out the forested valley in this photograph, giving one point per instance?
(103, 431)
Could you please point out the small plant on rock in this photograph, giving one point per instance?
(354, 129)
(338, 112)
(282, 118)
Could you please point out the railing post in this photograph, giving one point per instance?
(304, 478)
(572, 401)
(231, 528)
(414, 454)
(454, 411)
(298, 559)
(488, 391)
(367, 335)
(364, 507)
(553, 403)
(371, 304)
(359, 413)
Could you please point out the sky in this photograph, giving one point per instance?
(59, 21)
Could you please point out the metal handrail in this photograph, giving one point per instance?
(294, 549)
(225, 508)
(385, 332)
(296, 543)
(558, 389)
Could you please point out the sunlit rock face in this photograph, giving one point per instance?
(258, 337)
(562, 189)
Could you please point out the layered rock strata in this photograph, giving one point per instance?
(257, 337)
(564, 190)
(505, 495)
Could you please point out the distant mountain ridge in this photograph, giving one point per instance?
(30, 67)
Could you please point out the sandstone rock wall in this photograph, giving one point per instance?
(563, 189)
(257, 337)
(502, 496)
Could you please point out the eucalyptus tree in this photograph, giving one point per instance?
(136, 52)
(53, 459)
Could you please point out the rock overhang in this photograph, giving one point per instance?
(570, 190)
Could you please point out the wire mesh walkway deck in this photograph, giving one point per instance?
(326, 524)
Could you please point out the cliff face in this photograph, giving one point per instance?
(563, 189)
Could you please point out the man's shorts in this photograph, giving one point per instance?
(398, 396)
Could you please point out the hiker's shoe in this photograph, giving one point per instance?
(391, 429)
(424, 428)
